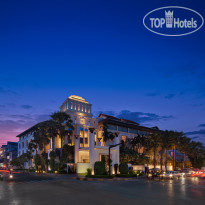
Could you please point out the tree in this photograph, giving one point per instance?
(106, 134)
(41, 135)
(165, 144)
(62, 125)
(153, 143)
(37, 161)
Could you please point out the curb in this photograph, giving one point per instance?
(102, 179)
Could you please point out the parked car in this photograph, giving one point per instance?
(176, 173)
(197, 173)
(169, 175)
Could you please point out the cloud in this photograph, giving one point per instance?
(142, 117)
(197, 132)
(26, 106)
(139, 117)
(197, 135)
(6, 91)
(202, 125)
(152, 94)
(12, 125)
(169, 96)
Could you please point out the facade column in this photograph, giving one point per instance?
(77, 145)
(91, 147)
(118, 140)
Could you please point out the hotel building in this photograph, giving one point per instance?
(87, 135)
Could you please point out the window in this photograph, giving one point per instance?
(133, 131)
(22, 144)
(71, 105)
(124, 138)
(112, 127)
(78, 107)
(123, 129)
(81, 138)
(27, 143)
(19, 146)
(86, 139)
(82, 121)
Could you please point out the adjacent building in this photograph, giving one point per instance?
(8, 152)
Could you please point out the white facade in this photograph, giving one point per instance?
(89, 145)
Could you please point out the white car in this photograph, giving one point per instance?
(169, 175)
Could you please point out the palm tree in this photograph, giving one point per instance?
(41, 135)
(165, 144)
(153, 143)
(63, 126)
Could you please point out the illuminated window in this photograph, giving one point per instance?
(71, 105)
(75, 120)
(124, 138)
(82, 121)
(86, 139)
(78, 107)
(85, 109)
(81, 138)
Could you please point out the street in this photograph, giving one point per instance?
(31, 189)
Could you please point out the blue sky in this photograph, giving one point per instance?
(101, 51)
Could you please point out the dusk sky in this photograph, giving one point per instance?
(101, 51)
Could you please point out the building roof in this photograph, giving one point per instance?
(77, 98)
(29, 129)
(126, 123)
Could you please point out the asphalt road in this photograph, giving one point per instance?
(62, 189)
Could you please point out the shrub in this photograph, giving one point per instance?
(37, 161)
(131, 171)
(61, 168)
(99, 168)
(115, 168)
(89, 172)
(139, 173)
(123, 168)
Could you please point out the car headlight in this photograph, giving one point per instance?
(171, 175)
(11, 176)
